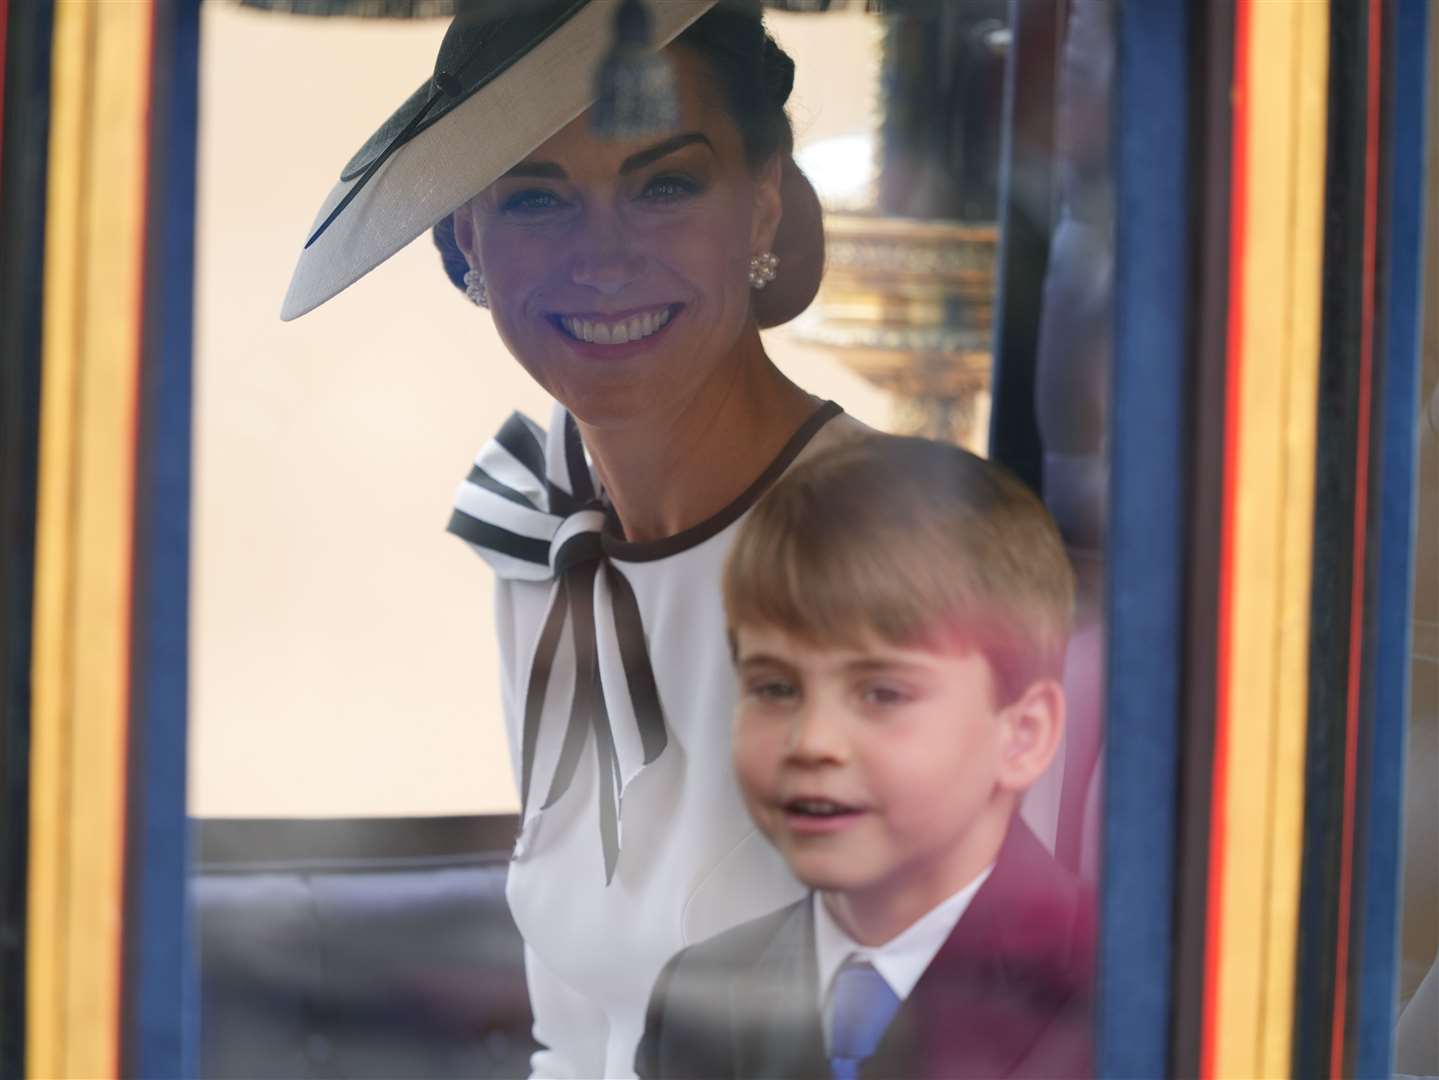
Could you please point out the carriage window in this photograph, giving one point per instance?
(348, 747)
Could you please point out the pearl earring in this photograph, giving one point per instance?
(762, 269)
(475, 288)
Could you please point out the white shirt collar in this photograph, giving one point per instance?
(902, 959)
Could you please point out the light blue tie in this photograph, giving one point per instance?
(861, 1008)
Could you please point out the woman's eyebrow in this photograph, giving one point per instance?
(659, 150)
(548, 170)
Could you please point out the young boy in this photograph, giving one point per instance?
(899, 611)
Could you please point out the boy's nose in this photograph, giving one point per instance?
(815, 737)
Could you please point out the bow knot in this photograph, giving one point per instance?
(532, 510)
(577, 541)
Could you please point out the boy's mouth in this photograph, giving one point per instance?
(809, 814)
(817, 807)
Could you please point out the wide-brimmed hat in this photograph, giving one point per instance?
(501, 87)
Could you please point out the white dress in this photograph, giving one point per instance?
(620, 863)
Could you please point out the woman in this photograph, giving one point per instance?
(630, 278)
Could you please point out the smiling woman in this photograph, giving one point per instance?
(607, 238)
(630, 278)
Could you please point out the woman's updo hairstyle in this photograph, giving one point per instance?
(754, 77)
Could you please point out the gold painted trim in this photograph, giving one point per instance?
(1273, 504)
(81, 650)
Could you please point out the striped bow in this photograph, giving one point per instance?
(530, 507)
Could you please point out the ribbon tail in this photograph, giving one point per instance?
(609, 777)
(539, 681)
(579, 585)
(639, 675)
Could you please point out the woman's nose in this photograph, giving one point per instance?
(605, 261)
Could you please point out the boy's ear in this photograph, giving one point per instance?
(1033, 726)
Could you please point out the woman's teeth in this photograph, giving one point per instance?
(616, 333)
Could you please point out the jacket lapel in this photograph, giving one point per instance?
(776, 1030)
(999, 980)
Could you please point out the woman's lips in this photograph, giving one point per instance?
(614, 331)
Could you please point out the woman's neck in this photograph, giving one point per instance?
(678, 468)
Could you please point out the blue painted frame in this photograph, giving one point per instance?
(1402, 246)
(160, 1016)
(1146, 570)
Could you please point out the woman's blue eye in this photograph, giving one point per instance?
(670, 186)
(534, 201)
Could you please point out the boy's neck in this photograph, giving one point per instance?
(877, 914)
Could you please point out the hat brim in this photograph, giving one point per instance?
(446, 164)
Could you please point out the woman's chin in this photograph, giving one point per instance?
(619, 399)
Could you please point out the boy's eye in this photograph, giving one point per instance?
(667, 187)
(530, 202)
(771, 691)
(884, 695)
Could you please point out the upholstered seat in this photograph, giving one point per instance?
(358, 949)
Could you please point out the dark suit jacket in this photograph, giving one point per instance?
(1008, 995)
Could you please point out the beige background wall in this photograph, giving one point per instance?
(343, 662)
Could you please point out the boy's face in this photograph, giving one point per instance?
(878, 771)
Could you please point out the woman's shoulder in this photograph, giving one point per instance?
(837, 431)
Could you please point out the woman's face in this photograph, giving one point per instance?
(618, 271)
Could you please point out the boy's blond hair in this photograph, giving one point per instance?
(915, 542)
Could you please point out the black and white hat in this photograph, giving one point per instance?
(460, 130)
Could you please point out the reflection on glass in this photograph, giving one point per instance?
(911, 224)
